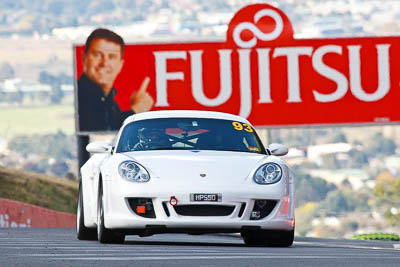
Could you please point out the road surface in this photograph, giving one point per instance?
(59, 247)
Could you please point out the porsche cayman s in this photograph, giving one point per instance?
(186, 172)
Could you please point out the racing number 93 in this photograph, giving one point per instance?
(242, 126)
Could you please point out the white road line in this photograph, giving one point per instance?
(18, 238)
(342, 246)
(209, 257)
(137, 254)
(111, 248)
(43, 243)
(94, 245)
(216, 254)
(69, 249)
(47, 247)
(128, 248)
(22, 244)
(84, 249)
(38, 240)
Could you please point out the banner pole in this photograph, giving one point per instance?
(83, 155)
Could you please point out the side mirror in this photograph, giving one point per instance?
(278, 149)
(98, 147)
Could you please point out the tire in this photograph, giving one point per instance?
(83, 232)
(104, 235)
(269, 238)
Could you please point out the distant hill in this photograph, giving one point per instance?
(38, 189)
(27, 16)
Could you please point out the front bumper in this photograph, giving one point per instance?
(120, 216)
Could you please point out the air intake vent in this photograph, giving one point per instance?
(242, 208)
(142, 207)
(262, 208)
(164, 204)
(204, 210)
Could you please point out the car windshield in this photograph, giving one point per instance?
(189, 134)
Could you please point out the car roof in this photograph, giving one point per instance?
(183, 114)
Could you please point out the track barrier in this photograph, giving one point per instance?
(17, 214)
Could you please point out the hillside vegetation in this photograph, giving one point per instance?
(38, 189)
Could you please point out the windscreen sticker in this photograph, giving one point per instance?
(242, 126)
(253, 148)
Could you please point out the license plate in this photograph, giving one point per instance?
(198, 197)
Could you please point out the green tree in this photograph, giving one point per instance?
(339, 137)
(55, 82)
(337, 202)
(58, 145)
(381, 145)
(360, 199)
(387, 192)
(6, 71)
(329, 161)
(56, 95)
(310, 189)
(358, 159)
(59, 168)
(39, 166)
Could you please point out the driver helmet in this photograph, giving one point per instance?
(150, 135)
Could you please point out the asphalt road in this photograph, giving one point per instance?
(59, 247)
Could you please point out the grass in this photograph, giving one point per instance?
(378, 236)
(38, 189)
(36, 120)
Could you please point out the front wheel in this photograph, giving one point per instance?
(105, 235)
(269, 238)
(83, 232)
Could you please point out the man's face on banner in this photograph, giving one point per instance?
(103, 62)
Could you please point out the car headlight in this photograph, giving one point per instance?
(268, 173)
(134, 172)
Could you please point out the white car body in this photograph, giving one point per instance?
(176, 174)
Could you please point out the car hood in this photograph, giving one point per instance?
(186, 165)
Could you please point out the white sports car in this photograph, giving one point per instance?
(186, 172)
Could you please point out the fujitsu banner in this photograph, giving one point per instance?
(265, 75)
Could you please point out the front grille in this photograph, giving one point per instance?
(204, 210)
